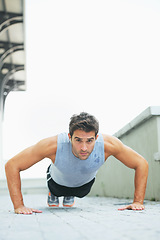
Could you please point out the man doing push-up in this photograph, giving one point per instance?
(75, 159)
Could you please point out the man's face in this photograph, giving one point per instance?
(82, 143)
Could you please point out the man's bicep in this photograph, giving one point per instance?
(45, 148)
(30, 156)
(128, 156)
(24, 159)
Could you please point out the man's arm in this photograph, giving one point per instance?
(22, 161)
(132, 160)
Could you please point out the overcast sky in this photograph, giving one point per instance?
(98, 56)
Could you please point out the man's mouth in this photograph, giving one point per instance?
(84, 153)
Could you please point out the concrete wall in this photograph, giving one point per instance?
(29, 186)
(143, 135)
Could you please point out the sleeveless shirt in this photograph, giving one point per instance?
(70, 171)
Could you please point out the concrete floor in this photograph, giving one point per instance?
(90, 218)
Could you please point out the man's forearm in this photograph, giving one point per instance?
(14, 185)
(141, 176)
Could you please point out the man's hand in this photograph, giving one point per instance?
(26, 210)
(134, 206)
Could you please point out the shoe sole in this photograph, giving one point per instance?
(53, 205)
(67, 205)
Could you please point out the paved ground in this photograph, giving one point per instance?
(91, 218)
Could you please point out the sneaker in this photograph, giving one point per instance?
(53, 201)
(68, 201)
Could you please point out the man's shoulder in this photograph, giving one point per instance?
(49, 140)
(49, 145)
(45, 148)
(111, 144)
(109, 138)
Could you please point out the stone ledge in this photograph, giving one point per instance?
(141, 118)
(29, 186)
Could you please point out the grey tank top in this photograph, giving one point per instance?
(71, 171)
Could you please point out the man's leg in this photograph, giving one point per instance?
(68, 192)
(80, 192)
(52, 200)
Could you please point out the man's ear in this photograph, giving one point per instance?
(97, 136)
(69, 136)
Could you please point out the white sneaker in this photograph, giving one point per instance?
(53, 201)
(68, 201)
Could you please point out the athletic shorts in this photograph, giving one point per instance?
(59, 190)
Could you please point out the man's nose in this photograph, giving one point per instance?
(84, 147)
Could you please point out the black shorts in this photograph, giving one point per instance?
(59, 190)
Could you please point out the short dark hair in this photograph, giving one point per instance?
(84, 121)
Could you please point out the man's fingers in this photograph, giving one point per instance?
(25, 210)
(124, 208)
(31, 210)
(132, 207)
(36, 211)
(138, 208)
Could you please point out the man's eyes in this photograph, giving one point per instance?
(88, 141)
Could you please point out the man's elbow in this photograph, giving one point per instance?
(145, 162)
(10, 167)
(7, 167)
(144, 165)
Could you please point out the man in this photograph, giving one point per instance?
(75, 160)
